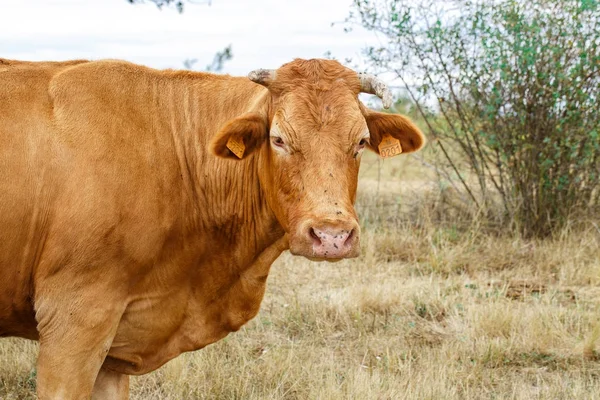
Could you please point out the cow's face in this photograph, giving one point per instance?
(310, 134)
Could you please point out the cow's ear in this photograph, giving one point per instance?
(240, 136)
(397, 126)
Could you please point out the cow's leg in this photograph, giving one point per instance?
(76, 332)
(111, 386)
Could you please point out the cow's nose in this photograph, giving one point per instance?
(333, 242)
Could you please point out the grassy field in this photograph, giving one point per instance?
(429, 311)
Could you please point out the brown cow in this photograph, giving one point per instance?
(124, 240)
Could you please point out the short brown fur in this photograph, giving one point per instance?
(124, 241)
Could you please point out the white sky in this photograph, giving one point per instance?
(263, 33)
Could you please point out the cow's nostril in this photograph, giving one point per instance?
(348, 240)
(315, 237)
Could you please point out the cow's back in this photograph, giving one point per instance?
(26, 162)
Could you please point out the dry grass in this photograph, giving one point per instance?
(429, 311)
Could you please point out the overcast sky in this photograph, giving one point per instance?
(263, 33)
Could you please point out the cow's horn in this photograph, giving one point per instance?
(262, 76)
(373, 85)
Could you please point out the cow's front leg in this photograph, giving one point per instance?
(111, 386)
(76, 332)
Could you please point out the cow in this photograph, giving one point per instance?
(141, 209)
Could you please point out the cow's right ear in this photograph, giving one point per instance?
(240, 136)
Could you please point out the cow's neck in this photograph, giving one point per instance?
(228, 222)
(227, 203)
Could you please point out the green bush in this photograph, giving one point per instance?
(509, 90)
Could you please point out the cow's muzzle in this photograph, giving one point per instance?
(327, 241)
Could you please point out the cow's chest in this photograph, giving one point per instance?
(187, 315)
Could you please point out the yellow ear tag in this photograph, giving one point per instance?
(389, 146)
(236, 146)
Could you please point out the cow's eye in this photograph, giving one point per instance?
(277, 141)
(362, 142)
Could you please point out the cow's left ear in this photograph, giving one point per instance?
(240, 136)
(398, 126)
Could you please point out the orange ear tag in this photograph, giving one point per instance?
(236, 146)
(389, 146)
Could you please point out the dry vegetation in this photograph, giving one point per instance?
(433, 309)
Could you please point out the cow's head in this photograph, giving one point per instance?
(309, 131)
